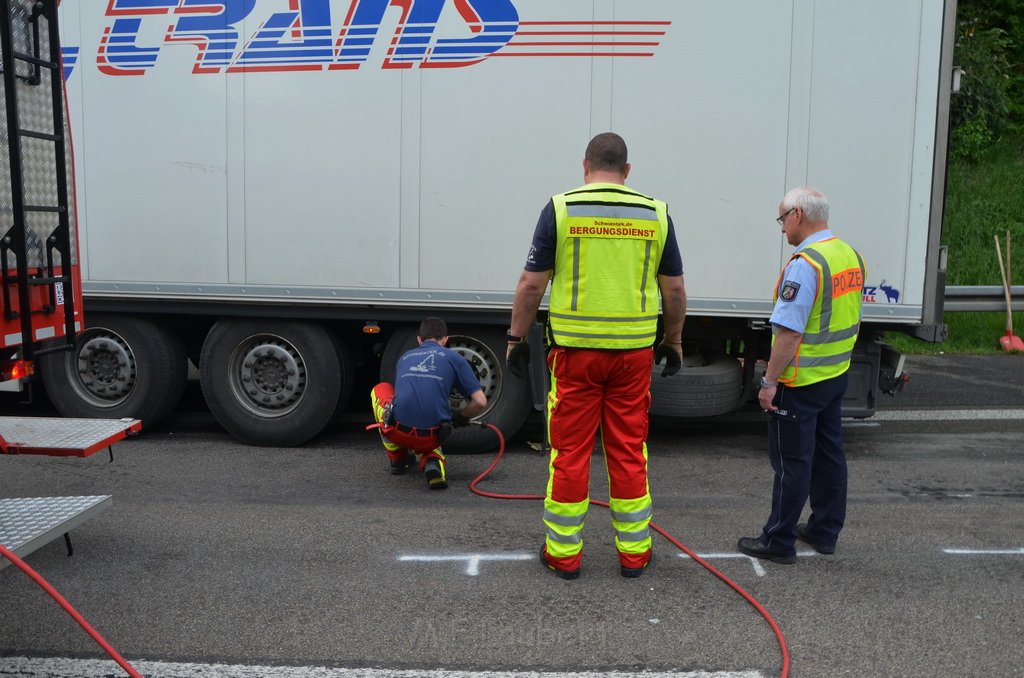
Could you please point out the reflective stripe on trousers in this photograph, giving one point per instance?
(631, 519)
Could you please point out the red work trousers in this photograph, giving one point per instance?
(610, 390)
(397, 442)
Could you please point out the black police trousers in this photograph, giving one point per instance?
(806, 453)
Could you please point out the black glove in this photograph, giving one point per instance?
(518, 361)
(671, 356)
(444, 432)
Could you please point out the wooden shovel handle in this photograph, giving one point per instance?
(1006, 287)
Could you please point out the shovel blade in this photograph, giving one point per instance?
(1010, 343)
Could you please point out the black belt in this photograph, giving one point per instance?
(419, 432)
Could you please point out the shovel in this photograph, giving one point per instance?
(1008, 342)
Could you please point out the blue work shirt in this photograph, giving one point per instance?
(542, 251)
(798, 288)
(424, 378)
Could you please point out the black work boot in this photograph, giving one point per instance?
(434, 471)
(397, 468)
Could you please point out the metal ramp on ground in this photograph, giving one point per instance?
(27, 524)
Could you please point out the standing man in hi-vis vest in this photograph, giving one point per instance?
(609, 252)
(815, 323)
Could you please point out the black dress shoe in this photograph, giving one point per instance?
(755, 549)
(804, 535)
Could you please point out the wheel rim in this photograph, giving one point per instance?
(485, 366)
(268, 376)
(103, 368)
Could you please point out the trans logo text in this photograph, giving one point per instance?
(238, 36)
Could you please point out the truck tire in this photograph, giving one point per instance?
(273, 382)
(508, 398)
(121, 366)
(702, 388)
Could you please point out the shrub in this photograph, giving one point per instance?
(982, 109)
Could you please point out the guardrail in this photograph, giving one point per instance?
(982, 298)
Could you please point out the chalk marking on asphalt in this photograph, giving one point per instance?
(95, 668)
(472, 560)
(754, 562)
(984, 552)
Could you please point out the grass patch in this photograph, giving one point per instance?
(968, 333)
(983, 199)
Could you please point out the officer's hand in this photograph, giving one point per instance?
(673, 356)
(518, 359)
(458, 419)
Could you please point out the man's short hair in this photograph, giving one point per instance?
(813, 203)
(433, 328)
(607, 152)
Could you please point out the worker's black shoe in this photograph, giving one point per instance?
(804, 535)
(561, 574)
(755, 549)
(397, 468)
(435, 475)
(634, 572)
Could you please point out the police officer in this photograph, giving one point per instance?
(414, 415)
(608, 252)
(815, 323)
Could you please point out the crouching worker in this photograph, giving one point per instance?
(414, 415)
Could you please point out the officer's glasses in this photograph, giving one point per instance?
(782, 219)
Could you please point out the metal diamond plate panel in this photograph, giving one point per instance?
(28, 523)
(72, 437)
(35, 113)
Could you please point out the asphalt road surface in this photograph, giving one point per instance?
(221, 559)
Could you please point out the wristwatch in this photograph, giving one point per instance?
(513, 339)
(764, 383)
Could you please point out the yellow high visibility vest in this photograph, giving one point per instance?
(834, 322)
(604, 293)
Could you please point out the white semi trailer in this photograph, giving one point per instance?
(281, 189)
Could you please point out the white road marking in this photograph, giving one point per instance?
(472, 560)
(1015, 414)
(93, 668)
(756, 563)
(984, 552)
(932, 414)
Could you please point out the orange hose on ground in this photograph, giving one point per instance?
(45, 585)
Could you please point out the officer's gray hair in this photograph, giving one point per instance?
(813, 204)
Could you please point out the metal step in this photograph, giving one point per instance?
(27, 524)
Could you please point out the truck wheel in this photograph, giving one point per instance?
(702, 388)
(121, 366)
(272, 382)
(508, 399)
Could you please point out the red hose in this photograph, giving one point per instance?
(657, 528)
(45, 585)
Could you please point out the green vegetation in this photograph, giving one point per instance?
(985, 197)
(985, 192)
